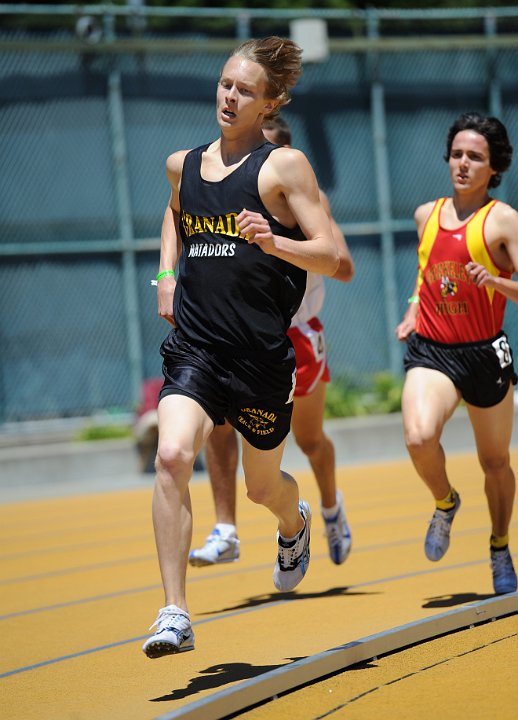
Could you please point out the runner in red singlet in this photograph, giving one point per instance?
(456, 347)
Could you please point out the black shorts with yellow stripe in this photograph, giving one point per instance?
(255, 396)
(481, 371)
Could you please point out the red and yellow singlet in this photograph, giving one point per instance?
(451, 307)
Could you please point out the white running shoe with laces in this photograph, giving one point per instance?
(437, 539)
(217, 549)
(173, 633)
(293, 555)
(338, 533)
(504, 575)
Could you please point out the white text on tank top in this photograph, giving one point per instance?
(312, 301)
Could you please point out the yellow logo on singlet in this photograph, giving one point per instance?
(217, 224)
(258, 421)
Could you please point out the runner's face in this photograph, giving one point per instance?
(240, 98)
(469, 162)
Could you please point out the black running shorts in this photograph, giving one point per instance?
(481, 371)
(256, 397)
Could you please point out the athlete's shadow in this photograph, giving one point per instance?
(218, 675)
(277, 597)
(444, 601)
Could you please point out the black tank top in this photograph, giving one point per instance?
(230, 295)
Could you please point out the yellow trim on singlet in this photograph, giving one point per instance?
(428, 238)
(477, 247)
(474, 241)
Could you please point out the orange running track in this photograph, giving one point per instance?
(80, 586)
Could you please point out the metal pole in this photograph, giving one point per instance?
(242, 26)
(495, 89)
(129, 271)
(381, 165)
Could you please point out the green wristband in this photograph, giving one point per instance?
(413, 299)
(164, 273)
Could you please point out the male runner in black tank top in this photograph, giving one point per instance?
(243, 225)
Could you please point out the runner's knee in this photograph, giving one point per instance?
(420, 440)
(173, 458)
(494, 464)
(260, 494)
(311, 445)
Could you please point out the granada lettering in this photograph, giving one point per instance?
(272, 417)
(219, 224)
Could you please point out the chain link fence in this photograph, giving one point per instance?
(85, 134)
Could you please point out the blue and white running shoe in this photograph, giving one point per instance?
(293, 555)
(217, 549)
(173, 633)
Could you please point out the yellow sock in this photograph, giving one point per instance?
(498, 542)
(448, 502)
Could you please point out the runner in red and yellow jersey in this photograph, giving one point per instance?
(456, 347)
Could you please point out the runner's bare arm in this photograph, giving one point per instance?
(502, 237)
(407, 325)
(290, 173)
(345, 272)
(170, 243)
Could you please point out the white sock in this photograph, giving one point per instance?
(298, 537)
(226, 530)
(331, 512)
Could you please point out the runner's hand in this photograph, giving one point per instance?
(165, 292)
(254, 228)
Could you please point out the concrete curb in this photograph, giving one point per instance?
(268, 686)
(48, 469)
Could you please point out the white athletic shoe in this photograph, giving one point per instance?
(338, 533)
(173, 633)
(293, 555)
(217, 549)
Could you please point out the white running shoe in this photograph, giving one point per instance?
(293, 555)
(217, 549)
(173, 633)
(338, 533)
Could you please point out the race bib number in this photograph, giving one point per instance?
(503, 351)
(318, 344)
